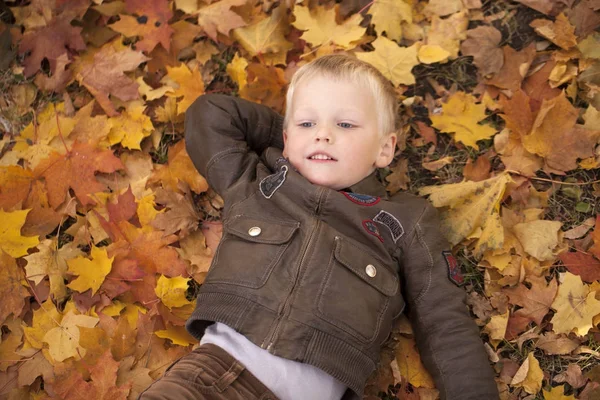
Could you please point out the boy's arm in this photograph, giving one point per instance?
(446, 335)
(225, 135)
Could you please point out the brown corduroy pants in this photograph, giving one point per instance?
(207, 373)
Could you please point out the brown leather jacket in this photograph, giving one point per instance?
(318, 275)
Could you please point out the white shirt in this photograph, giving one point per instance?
(287, 379)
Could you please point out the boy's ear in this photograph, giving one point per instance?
(388, 149)
(284, 143)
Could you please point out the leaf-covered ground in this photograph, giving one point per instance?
(107, 229)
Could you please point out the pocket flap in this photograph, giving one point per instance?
(261, 230)
(367, 267)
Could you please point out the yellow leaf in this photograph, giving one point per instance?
(449, 32)
(131, 126)
(236, 69)
(590, 46)
(188, 84)
(44, 319)
(63, 340)
(529, 376)
(171, 291)
(538, 238)
(49, 261)
(432, 53)
(393, 61)
(470, 206)
(321, 28)
(11, 240)
(266, 36)
(149, 92)
(146, 211)
(591, 116)
(557, 393)
(461, 116)
(496, 328)
(388, 15)
(177, 334)
(575, 306)
(443, 7)
(560, 32)
(410, 365)
(91, 273)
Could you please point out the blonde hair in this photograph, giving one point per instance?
(344, 67)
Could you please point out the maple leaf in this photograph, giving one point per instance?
(50, 42)
(10, 343)
(152, 31)
(11, 240)
(176, 334)
(582, 264)
(399, 178)
(267, 35)
(103, 75)
(575, 306)
(171, 291)
(387, 16)
(130, 127)
(265, 85)
(536, 301)
(496, 328)
(461, 116)
(90, 273)
(236, 70)
(219, 17)
(321, 27)
(560, 32)
(515, 67)
(179, 168)
(187, 84)
(557, 393)
(15, 183)
(137, 375)
(71, 385)
(12, 291)
(472, 210)
(393, 61)
(76, 170)
(410, 365)
(63, 340)
(529, 376)
(51, 262)
(482, 43)
(539, 238)
(449, 32)
(44, 318)
(181, 216)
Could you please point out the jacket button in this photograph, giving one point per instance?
(254, 231)
(371, 270)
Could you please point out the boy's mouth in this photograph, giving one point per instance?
(321, 157)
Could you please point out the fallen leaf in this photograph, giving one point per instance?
(515, 67)
(398, 179)
(560, 32)
(557, 393)
(483, 44)
(11, 240)
(388, 15)
(552, 344)
(575, 306)
(529, 376)
(267, 35)
(535, 301)
(539, 238)
(12, 291)
(582, 264)
(90, 272)
(219, 17)
(437, 164)
(320, 27)
(496, 328)
(447, 33)
(461, 116)
(410, 365)
(393, 61)
(63, 340)
(572, 376)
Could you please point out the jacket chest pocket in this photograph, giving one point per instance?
(357, 291)
(249, 250)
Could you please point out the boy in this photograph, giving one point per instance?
(315, 261)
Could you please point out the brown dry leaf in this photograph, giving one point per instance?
(219, 17)
(438, 164)
(536, 301)
(104, 75)
(153, 31)
(553, 344)
(529, 376)
(449, 32)
(572, 376)
(265, 85)
(560, 32)
(515, 67)
(398, 179)
(478, 170)
(483, 44)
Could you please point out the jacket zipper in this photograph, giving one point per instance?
(285, 307)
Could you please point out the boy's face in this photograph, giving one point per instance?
(337, 120)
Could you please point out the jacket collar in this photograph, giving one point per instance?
(369, 185)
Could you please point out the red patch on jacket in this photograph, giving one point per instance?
(370, 227)
(454, 272)
(362, 199)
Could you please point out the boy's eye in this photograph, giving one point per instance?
(345, 125)
(306, 124)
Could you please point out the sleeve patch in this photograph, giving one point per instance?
(362, 199)
(391, 222)
(454, 272)
(270, 184)
(370, 227)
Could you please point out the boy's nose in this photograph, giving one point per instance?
(324, 134)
